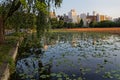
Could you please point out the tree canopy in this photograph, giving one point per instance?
(38, 7)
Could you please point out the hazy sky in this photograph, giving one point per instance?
(107, 7)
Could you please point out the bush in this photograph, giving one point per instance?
(102, 24)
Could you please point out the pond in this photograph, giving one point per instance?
(73, 56)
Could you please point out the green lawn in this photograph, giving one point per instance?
(10, 42)
(4, 50)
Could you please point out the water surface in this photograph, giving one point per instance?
(74, 56)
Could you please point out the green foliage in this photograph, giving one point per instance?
(58, 3)
(36, 7)
(41, 23)
(108, 75)
(56, 24)
(1, 10)
(23, 2)
(81, 23)
(16, 34)
(5, 48)
(71, 25)
(42, 17)
(29, 42)
(41, 6)
(11, 65)
(117, 22)
(93, 24)
(21, 20)
(61, 23)
(102, 24)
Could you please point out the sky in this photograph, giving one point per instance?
(105, 7)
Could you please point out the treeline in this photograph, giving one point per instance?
(102, 24)
(61, 24)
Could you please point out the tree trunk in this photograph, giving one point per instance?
(2, 36)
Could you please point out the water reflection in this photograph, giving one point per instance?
(80, 56)
(45, 47)
(31, 69)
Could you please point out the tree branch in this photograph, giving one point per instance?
(13, 8)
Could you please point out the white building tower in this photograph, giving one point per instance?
(73, 15)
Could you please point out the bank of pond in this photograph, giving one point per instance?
(70, 56)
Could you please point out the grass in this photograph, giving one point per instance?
(10, 42)
(4, 50)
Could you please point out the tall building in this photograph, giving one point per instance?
(103, 18)
(97, 17)
(67, 19)
(108, 18)
(92, 17)
(73, 15)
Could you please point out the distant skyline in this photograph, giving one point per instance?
(105, 7)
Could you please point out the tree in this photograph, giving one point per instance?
(104, 24)
(65, 25)
(71, 25)
(43, 18)
(117, 22)
(60, 24)
(54, 23)
(93, 24)
(81, 23)
(8, 7)
(21, 20)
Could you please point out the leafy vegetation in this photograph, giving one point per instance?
(21, 20)
(80, 24)
(22, 13)
(30, 45)
(103, 24)
(5, 48)
(55, 24)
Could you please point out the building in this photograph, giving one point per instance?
(67, 19)
(52, 14)
(73, 16)
(97, 17)
(103, 18)
(92, 17)
(108, 18)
